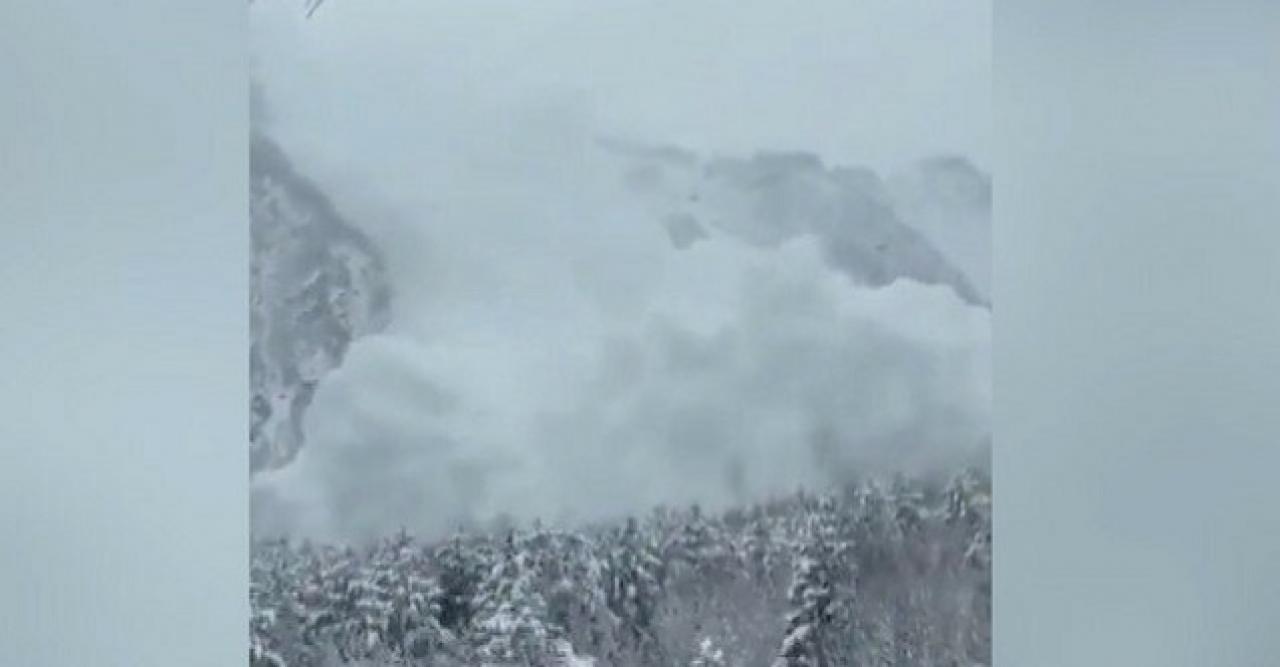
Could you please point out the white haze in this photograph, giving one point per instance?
(552, 353)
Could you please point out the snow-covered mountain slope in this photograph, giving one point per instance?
(316, 284)
(948, 199)
(771, 197)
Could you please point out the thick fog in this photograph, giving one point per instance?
(644, 253)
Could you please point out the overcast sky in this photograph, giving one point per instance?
(590, 364)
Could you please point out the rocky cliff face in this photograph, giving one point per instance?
(316, 284)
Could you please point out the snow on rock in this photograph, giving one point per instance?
(316, 284)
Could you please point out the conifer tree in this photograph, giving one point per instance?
(509, 622)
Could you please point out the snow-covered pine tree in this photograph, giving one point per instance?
(509, 625)
(811, 597)
(761, 550)
(820, 595)
(460, 567)
(572, 574)
(634, 578)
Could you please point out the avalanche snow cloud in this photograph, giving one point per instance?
(556, 355)
(585, 327)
